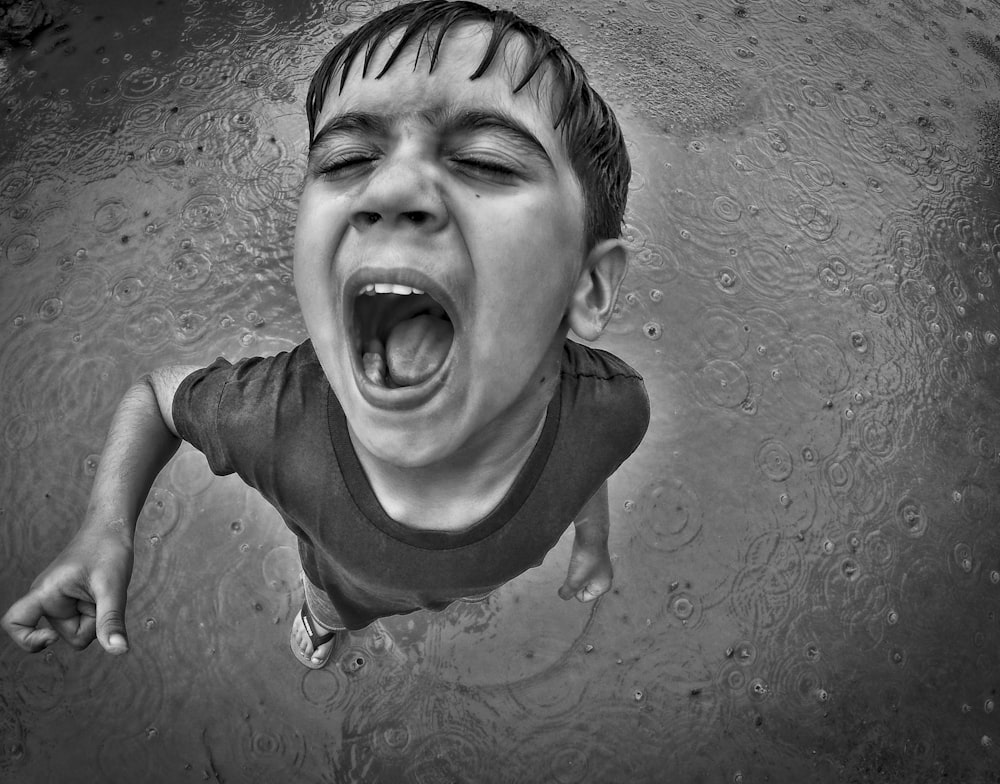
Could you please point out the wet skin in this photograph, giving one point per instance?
(464, 190)
(461, 189)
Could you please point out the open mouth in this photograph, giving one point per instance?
(402, 335)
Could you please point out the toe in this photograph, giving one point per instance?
(301, 637)
(321, 651)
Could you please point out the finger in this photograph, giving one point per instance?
(110, 617)
(78, 629)
(22, 621)
(35, 640)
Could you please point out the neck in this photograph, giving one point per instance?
(459, 491)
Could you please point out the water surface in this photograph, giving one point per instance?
(806, 545)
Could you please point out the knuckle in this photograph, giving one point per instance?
(79, 643)
(112, 620)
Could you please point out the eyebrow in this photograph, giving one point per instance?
(448, 121)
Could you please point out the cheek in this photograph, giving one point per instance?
(317, 235)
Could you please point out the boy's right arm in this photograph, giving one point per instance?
(82, 592)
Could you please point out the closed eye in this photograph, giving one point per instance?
(487, 168)
(342, 166)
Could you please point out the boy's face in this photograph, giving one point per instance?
(456, 188)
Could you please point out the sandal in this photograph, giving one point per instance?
(316, 638)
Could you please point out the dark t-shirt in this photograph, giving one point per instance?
(276, 422)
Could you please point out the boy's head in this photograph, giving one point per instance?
(461, 210)
(589, 129)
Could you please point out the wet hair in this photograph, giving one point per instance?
(593, 139)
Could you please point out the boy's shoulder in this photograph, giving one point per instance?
(603, 394)
(583, 361)
(284, 366)
(241, 387)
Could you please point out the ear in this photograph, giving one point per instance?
(597, 289)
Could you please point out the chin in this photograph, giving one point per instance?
(404, 450)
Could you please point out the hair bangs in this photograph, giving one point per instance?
(593, 139)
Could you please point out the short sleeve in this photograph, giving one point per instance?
(195, 411)
(609, 402)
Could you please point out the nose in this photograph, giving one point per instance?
(402, 193)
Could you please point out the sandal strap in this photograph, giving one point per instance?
(316, 638)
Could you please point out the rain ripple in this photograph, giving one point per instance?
(667, 515)
(647, 252)
(723, 383)
(593, 755)
(144, 116)
(154, 574)
(159, 515)
(802, 208)
(270, 746)
(965, 566)
(15, 184)
(772, 273)
(765, 590)
(149, 328)
(19, 432)
(189, 270)
(723, 333)
(802, 677)
(88, 385)
(204, 211)
(101, 90)
(834, 275)
(165, 156)
(13, 738)
(41, 681)
(206, 73)
(96, 155)
(548, 696)
(86, 292)
(326, 689)
(774, 460)
(114, 692)
(857, 482)
(110, 215)
(127, 291)
(858, 599)
(821, 365)
(21, 249)
(48, 308)
(141, 83)
(449, 752)
(273, 184)
(885, 430)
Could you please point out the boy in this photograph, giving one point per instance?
(438, 432)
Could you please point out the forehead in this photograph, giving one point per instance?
(411, 85)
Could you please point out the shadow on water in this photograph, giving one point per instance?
(806, 545)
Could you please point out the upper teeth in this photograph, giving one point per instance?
(388, 288)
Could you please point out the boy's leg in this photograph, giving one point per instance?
(320, 607)
(323, 617)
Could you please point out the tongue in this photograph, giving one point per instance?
(416, 348)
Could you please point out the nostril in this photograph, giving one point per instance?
(370, 217)
(416, 217)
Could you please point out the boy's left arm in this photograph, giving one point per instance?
(590, 571)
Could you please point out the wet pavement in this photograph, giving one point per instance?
(806, 545)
